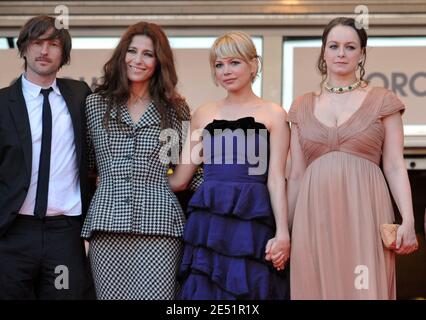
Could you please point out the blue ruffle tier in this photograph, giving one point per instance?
(225, 237)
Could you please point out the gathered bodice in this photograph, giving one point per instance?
(361, 135)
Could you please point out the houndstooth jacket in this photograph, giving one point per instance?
(133, 195)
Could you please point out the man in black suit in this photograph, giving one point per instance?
(43, 176)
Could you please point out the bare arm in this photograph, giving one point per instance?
(397, 177)
(190, 158)
(298, 168)
(279, 248)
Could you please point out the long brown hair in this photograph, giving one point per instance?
(362, 34)
(114, 86)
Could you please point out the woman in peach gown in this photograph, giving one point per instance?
(338, 196)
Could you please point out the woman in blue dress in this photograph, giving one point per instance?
(236, 237)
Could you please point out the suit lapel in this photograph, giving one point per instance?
(74, 110)
(18, 110)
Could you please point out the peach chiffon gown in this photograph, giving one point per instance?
(337, 252)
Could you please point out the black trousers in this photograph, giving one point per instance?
(45, 260)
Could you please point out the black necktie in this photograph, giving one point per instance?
(40, 207)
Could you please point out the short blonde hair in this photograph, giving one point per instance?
(235, 44)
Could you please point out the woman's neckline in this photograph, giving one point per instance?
(348, 120)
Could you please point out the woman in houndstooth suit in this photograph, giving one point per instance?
(135, 222)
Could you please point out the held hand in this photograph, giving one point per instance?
(278, 251)
(173, 183)
(268, 255)
(406, 241)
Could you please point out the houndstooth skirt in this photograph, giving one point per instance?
(134, 267)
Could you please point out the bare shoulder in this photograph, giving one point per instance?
(276, 109)
(272, 115)
(273, 111)
(368, 87)
(204, 114)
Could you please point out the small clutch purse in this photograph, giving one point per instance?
(388, 233)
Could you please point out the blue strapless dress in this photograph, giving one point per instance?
(230, 219)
